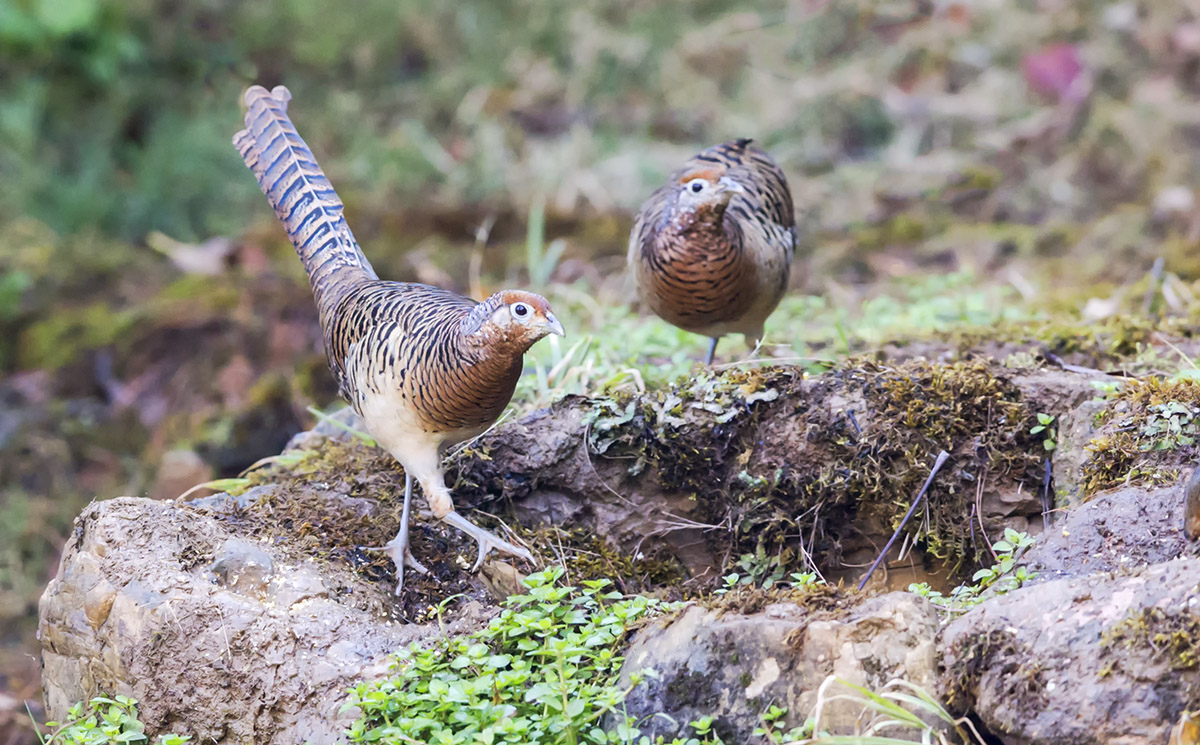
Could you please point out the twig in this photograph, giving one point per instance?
(1156, 275)
(1046, 511)
(943, 456)
(854, 421)
(773, 361)
(1055, 359)
(1178, 351)
(977, 508)
(475, 268)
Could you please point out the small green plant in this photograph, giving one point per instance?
(103, 721)
(543, 671)
(1044, 428)
(772, 727)
(795, 579)
(898, 705)
(540, 258)
(1003, 576)
(761, 570)
(1169, 426)
(1106, 389)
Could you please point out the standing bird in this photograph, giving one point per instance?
(424, 367)
(711, 250)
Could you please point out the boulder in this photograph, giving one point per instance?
(1106, 658)
(733, 666)
(1128, 527)
(217, 635)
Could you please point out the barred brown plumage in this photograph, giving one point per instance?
(424, 367)
(711, 250)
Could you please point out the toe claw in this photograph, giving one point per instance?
(486, 540)
(403, 555)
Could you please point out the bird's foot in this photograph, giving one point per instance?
(401, 555)
(486, 539)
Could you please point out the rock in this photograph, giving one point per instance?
(733, 666)
(179, 471)
(1126, 528)
(243, 567)
(229, 504)
(336, 426)
(216, 635)
(1108, 658)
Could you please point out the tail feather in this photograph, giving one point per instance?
(302, 197)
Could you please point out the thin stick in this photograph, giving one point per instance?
(1046, 475)
(943, 456)
(1156, 275)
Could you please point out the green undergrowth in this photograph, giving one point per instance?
(545, 670)
(1002, 577)
(609, 345)
(1147, 433)
(103, 721)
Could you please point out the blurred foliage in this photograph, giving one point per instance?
(118, 114)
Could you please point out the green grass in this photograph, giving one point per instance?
(609, 346)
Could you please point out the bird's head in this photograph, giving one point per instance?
(707, 187)
(513, 318)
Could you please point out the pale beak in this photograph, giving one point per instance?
(554, 326)
(728, 184)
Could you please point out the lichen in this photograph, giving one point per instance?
(747, 599)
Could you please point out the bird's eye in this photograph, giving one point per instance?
(696, 185)
(520, 310)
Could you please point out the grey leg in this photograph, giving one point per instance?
(712, 351)
(398, 549)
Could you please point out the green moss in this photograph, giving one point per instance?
(60, 338)
(1173, 635)
(905, 228)
(588, 557)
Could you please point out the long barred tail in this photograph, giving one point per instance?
(302, 196)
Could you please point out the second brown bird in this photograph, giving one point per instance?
(711, 250)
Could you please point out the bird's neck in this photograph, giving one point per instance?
(702, 226)
(493, 364)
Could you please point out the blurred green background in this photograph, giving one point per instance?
(986, 169)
